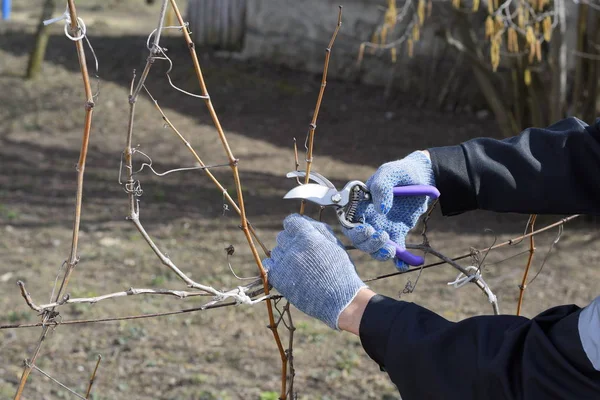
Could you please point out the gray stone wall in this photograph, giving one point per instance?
(295, 33)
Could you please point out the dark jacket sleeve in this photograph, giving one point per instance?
(487, 357)
(542, 171)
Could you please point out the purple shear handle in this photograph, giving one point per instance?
(413, 190)
(417, 190)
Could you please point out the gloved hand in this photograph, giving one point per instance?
(310, 267)
(388, 217)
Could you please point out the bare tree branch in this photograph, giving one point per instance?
(73, 257)
(509, 242)
(313, 123)
(126, 318)
(68, 389)
(523, 285)
(93, 378)
(473, 277)
(92, 300)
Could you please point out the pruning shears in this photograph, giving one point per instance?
(346, 202)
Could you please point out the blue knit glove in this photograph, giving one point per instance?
(388, 217)
(310, 268)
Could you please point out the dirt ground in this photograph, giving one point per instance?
(226, 353)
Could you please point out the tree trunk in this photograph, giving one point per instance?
(41, 41)
(594, 110)
(519, 92)
(579, 87)
(589, 109)
(535, 97)
(485, 81)
(559, 75)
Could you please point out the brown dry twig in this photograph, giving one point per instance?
(181, 294)
(523, 285)
(47, 375)
(93, 378)
(313, 123)
(73, 257)
(206, 170)
(466, 255)
(131, 184)
(134, 190)
(234, 169)
(475, 278)
(290, 351)
(125, 318)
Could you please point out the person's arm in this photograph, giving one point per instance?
(555, 355)
(542, 171)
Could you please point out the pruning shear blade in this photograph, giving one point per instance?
(313, 176)
(312, 192)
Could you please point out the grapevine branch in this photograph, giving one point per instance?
(133, 216)
(93, 378)
(244, 223)
(132, 186)
(125, 318)
(233, 162)
(509, 242)
(73, 257)
(93, 300)
(290, 356)
(475, 278)
(220, 296)
(313, 124)
(47, 375)
(206, 170)
(523, 285)
(133, 189)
